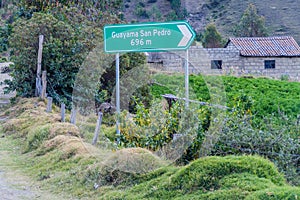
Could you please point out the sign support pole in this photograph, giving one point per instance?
(187, 78)
(118, 96)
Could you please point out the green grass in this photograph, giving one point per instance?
(66, 164)
(231, 177)
(271, 98)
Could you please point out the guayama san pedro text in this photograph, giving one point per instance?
(141, 33)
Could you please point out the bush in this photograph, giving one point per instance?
(280, 144)
(154, 128)
(140, 11)
(5, 31)
(61, 56)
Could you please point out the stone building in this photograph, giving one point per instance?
(274, 57)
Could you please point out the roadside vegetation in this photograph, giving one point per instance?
(252, 157)
(238, 139)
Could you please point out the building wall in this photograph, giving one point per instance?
(232, 63)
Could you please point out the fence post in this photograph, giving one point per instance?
(44, 84)
(38, 83)
(49, 104)
(63, 112)
(98, 126)
(73, 115)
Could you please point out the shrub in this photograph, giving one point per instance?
(59, 53)
(211, 37)
(154, 128)
(280, 144)
(140, 11)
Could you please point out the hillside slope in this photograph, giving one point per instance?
(282, 17)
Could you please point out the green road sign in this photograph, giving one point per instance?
(148, 37)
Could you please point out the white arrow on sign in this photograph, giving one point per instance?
(187, 35)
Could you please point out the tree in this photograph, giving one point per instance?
(211, 37)
(92, 9)
(251, 24)
(70, 35)
(64, 50)
(58, 43)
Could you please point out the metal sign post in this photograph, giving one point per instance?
(186, 78)
(146, 37)
(118, 96)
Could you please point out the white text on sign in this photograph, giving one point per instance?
(141, 33)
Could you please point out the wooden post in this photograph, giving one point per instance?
(73, 115)
(63, 112)
(44, 81)
(49, 104)
(98, 126)
(38, 84)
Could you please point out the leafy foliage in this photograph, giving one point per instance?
(211, 37)
(251, 24)
(92, 10)
(70, 34)
(279, 144)
(79, 168)
(178, 13)
(150, 128)
(260, 120)
(62, 55)
(4, 34)
(127, 62)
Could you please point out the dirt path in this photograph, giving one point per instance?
(14, 185)
(16, 189)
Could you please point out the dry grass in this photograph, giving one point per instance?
(134, 160)
(71, 145)
(123, 166)
(63, 129)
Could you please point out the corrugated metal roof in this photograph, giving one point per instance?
(266, 46)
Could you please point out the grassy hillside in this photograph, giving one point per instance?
(281, 16)
(60, 157)
(211, 178)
